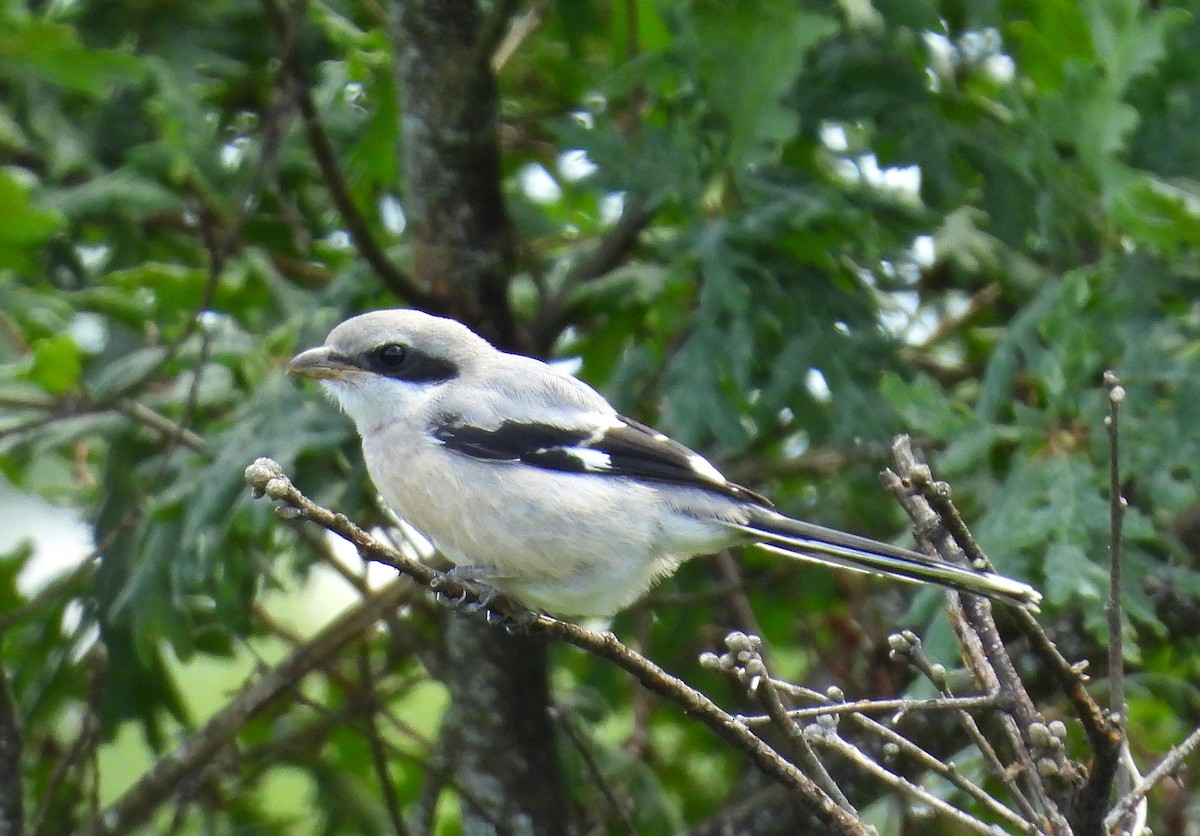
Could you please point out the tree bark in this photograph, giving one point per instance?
(498, 735)
(12, 818)
(462, 242)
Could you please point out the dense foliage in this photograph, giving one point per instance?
(782, 232)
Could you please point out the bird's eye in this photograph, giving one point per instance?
(391, 356)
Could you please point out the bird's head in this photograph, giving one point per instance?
(379, 365)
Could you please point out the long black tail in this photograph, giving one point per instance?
(806, 541)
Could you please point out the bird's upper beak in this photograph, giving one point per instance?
(321, 363)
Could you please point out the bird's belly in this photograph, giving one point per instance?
(567, 543)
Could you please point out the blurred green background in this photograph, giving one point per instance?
(782, 232)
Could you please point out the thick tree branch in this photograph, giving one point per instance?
(497, 733)
(462, 238)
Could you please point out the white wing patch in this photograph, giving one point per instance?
(703, 466)
(593, 460)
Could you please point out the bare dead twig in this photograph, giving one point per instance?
(1117, 506)
(761, 685)
(907, 646)
(835, 743)
(938, 523)
(825, 715)
(896, 707)
(1165, 767)
(1126, 774)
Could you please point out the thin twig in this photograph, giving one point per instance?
(852, 753)
(83, 746)
(1103, 737)
(761, 684)
(164, 778)
(1116, 513)
(1124, 778)
(908, 646)
(898, 708)
(731, 663)
(161, 424)
(607, 254)
(563, 720)
(1164, 768)
(76, 406)
(391, 802)
(938, 522)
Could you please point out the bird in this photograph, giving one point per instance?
(534, 486)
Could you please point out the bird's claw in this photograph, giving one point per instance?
(478, 598)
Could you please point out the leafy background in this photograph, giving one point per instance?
(848, 220)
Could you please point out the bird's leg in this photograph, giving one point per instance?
(472, 575)
(486, 595)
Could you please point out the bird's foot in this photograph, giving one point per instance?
(476, 596)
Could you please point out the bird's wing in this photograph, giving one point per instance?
(613, 446)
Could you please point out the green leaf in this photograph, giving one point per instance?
(122, 371)
(124, 191)
(56, 364)
(748, 55)
(25, 226)
(1070, 575)
(53, 53)
(1129, 40)
(1152, 211)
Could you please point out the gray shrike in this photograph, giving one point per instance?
(530, 482)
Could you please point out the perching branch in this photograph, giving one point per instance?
(266, 477)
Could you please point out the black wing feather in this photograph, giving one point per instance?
(626, 449)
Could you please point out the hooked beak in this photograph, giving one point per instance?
(321, 363)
